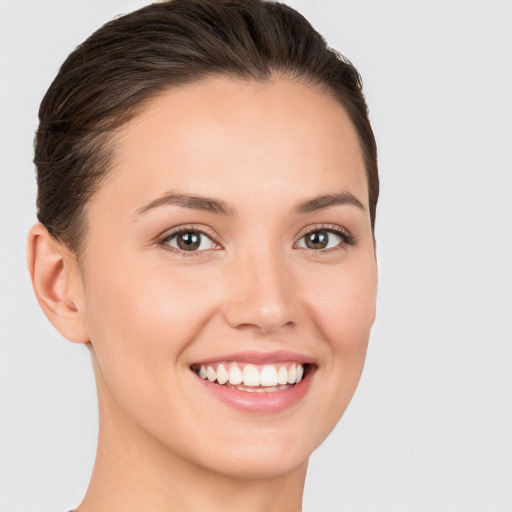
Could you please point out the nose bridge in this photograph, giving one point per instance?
(261, 293)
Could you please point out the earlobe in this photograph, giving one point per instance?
(57, 283)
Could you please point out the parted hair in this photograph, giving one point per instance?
(109, 78)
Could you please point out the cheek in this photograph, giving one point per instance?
(155, 310)
(344, 312)
(140, 325)
(345, 306)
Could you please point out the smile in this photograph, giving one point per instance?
(252, 378)
(255, 382)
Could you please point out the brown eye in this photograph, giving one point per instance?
(190, 241)
(321, 239)
(317, 240)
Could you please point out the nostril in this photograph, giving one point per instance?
(264, 319)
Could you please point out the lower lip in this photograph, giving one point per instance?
(260, 402)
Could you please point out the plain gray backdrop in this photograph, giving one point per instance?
(430, 427)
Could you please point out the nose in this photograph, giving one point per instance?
(263, 295)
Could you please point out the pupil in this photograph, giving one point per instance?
(317, 240)
(189, 241)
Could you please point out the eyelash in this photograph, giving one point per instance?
(347, 239)
(163, 241)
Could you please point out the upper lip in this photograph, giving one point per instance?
(255, 357)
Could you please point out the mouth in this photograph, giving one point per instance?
(256, 387)
(253, 378)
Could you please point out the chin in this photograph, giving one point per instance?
(260, 453)
(263, 463)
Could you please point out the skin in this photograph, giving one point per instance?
(148, 312)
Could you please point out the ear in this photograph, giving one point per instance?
(57, 283)
(375, 305)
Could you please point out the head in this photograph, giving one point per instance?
(207, 188)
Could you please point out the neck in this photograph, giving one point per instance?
(134, 472)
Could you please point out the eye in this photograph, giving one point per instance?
(324, 239)
(189, 240)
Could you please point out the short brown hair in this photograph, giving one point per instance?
(108, 78)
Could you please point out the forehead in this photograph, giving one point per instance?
(229, 137)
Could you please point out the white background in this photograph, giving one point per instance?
(430, 427)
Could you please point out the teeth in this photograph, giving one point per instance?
(270, 377)
(235, 375)
(292, 375)
(300, 373)
(251, 376)
(282, 376)
(210, 374)
(222, 374)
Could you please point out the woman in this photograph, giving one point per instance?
(207, 187)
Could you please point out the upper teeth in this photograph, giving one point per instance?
(251, 375)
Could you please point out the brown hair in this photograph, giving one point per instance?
(107, 79)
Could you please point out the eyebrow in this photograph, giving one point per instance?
(192, 202)
(210, 204)
(328, 200)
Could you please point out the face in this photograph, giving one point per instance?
(230, 275)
